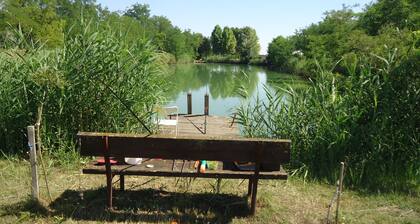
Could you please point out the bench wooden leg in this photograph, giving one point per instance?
(122, 188)
(255, 182)
(254, 196)
(108, 182)
(249, 187)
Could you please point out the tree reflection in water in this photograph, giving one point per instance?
(222, 82)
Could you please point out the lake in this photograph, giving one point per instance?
(224, 83)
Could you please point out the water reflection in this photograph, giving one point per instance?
(222, 82)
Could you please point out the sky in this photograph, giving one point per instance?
(270, 18)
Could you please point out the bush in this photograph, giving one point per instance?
(185, 59)
(279, 52)
(234, 59)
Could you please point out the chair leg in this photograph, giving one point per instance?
(173, 165)
(218, 185)
(122, 187)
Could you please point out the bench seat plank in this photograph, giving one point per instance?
(163, 168)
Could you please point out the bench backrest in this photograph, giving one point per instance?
(185, 148)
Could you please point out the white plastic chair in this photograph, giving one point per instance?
(164, 113)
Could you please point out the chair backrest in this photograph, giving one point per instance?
(164, 112)
(185, 148)
(172, 110)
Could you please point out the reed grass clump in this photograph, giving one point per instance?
(369, 119)
(87, 85)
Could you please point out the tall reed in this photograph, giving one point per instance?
(87, 85)
(369, 119)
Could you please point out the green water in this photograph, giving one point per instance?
(224, 83)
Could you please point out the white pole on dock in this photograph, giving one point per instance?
(32, 157)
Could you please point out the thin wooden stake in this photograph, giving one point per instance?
(34, 169)
(340, 189)
(39, 146)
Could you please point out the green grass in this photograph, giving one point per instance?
(80, 199)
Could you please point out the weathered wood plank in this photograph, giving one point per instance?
(163, 168)
(230, 175)
(194, 125)
(186, 148)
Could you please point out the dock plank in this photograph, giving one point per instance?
(211, 126)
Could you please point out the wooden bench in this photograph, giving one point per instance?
(263, 152)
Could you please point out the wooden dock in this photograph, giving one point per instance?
(211, 126)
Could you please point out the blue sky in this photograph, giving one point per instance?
(270, 18)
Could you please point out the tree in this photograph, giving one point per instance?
(325, 39)
(176, 43)
(205, 47)
(228, 41)
(247, 44)
(279, 51)
(138, 11)
(193, 42)
(47, 21)
(400, 13)
(217, 40)
(38, 21)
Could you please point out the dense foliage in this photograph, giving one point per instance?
(229, 41)
(343, 34)
(90, 84)
(363, 101)
(48, 20)
(233, 45)
(217, 40)
(279, 51)
(368, 120)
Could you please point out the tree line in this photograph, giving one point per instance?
(240, 43)
(49, 21)
(344, 34)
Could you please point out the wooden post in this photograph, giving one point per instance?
(189, 103)
(205, 124)
(340, 188)
(206, 104)
(108, 174)
(34, 169)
